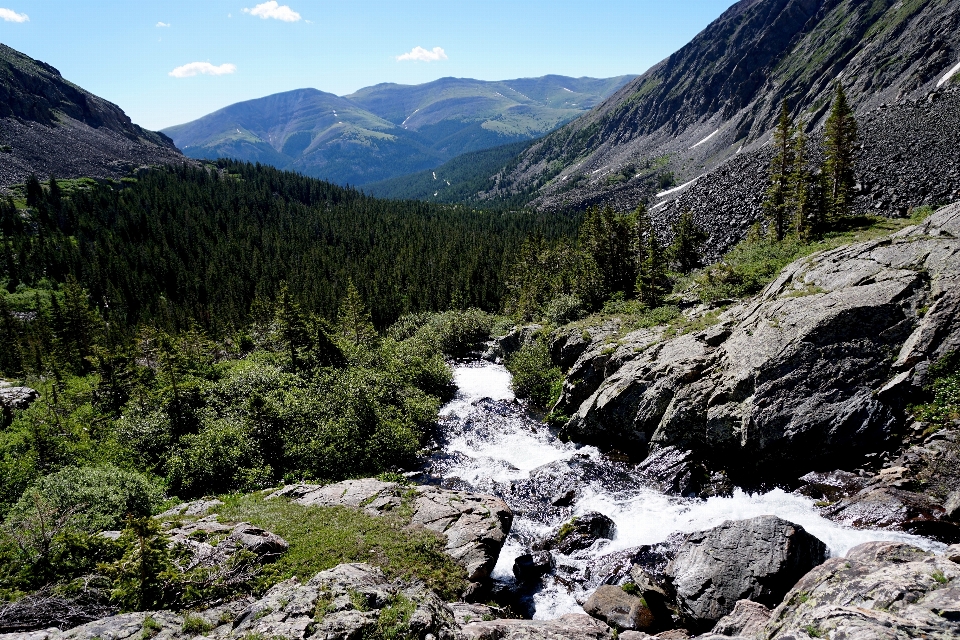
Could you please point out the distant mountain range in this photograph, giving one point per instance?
(51, 126)
(389, 130)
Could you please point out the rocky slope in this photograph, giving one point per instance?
(51, 126)
(388, 130)
(814, 373)
(706, 111)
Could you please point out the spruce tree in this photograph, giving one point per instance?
(651, 261)
(800, 200)
(354, 319)
(291, 325)
(839, 138)
(781, 167)
(684, 251)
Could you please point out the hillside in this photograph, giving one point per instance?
(716, 98)
(49, 125)
(388, 130)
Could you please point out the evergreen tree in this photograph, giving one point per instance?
(839, 138)
(608, 238)
(781, 168)
(11, 357)
(800, 200)
(291, 325)
(651, 278)
(688, 238)
(652, 283)
(354, 319)
(34, 191)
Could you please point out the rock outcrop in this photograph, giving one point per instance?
(346, 602)
(17, 397)
(813, 372)
(879, 590)
(475, 526)
(572, 626)
(758, 559)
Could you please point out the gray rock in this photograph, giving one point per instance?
(798, 381)
(619, 609)
(887, 507)
(951, 506)
(505, 346)
(195, 508)
(953, 553)
(466, 612)
(581, 532)
(572, 626)
(747, 619)
(18, 397)
(530, 567)
(475, 526)
(211, 542)
(879, 590)
(758, 559)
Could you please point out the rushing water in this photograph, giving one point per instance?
(491, 445)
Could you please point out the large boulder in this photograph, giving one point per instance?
(879, 590)
(813, 372)
(758, 559)
(580, 533)
(747, 619)
(619, 609)
(475, 526)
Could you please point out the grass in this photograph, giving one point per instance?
(195, 625)
(940, 577)
(150, 628)
(322, 537)
(757, 260)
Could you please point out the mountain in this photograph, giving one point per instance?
(716, 99)
(388, 130)
(49, 125)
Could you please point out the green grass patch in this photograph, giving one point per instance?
(323, 537)
(195, 625)
(944, 405)
(757, 260)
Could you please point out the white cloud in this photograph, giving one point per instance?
(162, 24)
(275, 10)
(205, 68)
(12, 16)
(423, 55)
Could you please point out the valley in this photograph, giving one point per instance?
(671, 356)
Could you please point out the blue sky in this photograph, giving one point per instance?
(221, 52)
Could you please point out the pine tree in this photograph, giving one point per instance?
(11, 357)
(291, 325)
(800, 201)
(684, 251)
(652, 279)
(781, 166)
(354, 319)
(839, 138)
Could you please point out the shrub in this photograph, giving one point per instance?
(534, 375)
(91, 499)
(563, 309)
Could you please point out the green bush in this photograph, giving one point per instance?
(90, 499)
(534, 375)
(563, 309)
(944, 406)
(454, 333)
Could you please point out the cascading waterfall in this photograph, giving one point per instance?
(489, 444)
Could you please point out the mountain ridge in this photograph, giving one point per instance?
(718, 95)
(387, 130)
(48, 125)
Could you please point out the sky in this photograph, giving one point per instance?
(170, 62)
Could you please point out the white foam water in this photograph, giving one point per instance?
(491, 456)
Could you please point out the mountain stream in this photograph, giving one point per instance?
(491, 445)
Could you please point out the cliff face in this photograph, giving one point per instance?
(50, 126)
(718, 96)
